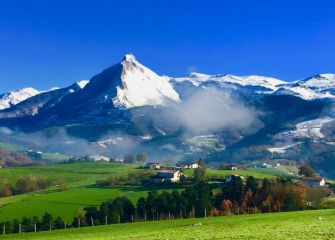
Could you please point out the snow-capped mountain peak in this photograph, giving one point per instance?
(14, 97)
(140, 86)
(82, 83)
(129, 57)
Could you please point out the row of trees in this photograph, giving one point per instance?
(156, 206)
(25, 184)
(255, 196)
(34, 224)
(192, 202)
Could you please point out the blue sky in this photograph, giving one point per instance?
(55, 43)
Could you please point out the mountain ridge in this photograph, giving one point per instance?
(129, 105)
(314, 87)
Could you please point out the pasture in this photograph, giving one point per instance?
(81, 189)
(217, 173)
(317, 224)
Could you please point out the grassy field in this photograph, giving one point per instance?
(292, 225)
(216, 173)
(65, 203)
(280, 171)
(75, 174)
(81, 191)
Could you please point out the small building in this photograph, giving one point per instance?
(314, 181)
(153, 165)
(266, 165)
(119, 160)
(98, 158)
(193, 165)
(188, 165)
(167, 176)
(230, 167)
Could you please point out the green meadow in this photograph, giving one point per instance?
(217, 173)
(74, 174)
(317, 224)
(81, 190)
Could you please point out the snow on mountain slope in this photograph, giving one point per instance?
(308, 129)
(266, 82)
(319, 82)
(140, 86)
(80, 84)
(317, 87)
(282, 149)
(303, 92)
(42, 101)
(14, 97)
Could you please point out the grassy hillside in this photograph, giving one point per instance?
(291, 225)
(284, 171)
(75, 174)
(51, 157)
(81, 191)
(65, 203)
(11, 147)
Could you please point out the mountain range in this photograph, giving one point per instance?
(128, 107)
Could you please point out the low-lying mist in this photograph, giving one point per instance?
(207, 111)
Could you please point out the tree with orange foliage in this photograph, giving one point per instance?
(226, 207)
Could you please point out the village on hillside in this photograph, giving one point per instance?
(169, 173)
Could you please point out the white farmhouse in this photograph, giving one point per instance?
(167, 176)
(193, 165)
(314, 181)
(189, 165)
